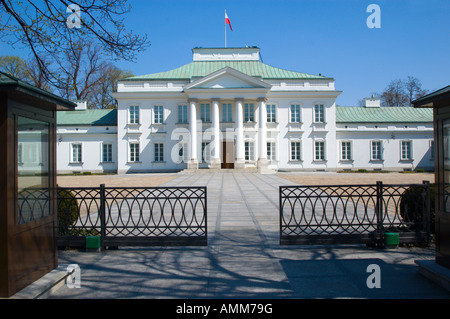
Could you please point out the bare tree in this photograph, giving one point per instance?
(413, 87)
(46, 28)
(35, 75)
(394, 94)
(102, 97)
(78, 71)
(27, 71)
(13, 65)
(402, 92)
(78, 74)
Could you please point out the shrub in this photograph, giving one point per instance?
(411, 206)
(67, 210)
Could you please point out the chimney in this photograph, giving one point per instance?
(372, 101)
(81, 105)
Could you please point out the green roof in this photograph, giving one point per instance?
(94, 117)
(354, 114)
(198, 69)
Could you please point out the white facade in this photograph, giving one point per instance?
(400, 148)
(81, 150)
(85, 145)
(227, 109)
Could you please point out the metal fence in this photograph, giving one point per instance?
(354, 213)
(139, 216)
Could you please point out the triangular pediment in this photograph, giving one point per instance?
(227, 78)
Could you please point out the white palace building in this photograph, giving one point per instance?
(228, 110)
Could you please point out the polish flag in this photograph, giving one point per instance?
(227, 21)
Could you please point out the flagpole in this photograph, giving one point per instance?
(225, 29)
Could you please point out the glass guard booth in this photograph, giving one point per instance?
(440, 102)
(28, 218)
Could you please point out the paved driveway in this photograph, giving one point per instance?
(243, 258)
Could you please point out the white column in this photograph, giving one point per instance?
(193, 161)
(262, 160)
(215, 160)
(239, 131)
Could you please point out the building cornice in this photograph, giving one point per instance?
(304, 94)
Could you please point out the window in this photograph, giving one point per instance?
(271, 113)
(206, 152)
(28, 152)
(319, 114)
(346, 151)
(249, 115)
(205, 113)
(271, 151)
(76, 153)
(226, 115)
(107, 153)
(159, 152)
(134, 152)
(295, 151)
(319, 154)
(159, 114)
(134, 114)
(376, 151)
(32, 142)
(295, 113)
(182, 153)
(249, 151)
(33, 153)
(406, 153)
(182, 113)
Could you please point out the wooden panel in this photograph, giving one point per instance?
(442, 218)
(443, 239)
(5, 205)
(28, 250)
(32, 255)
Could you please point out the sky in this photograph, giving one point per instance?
(330, 37)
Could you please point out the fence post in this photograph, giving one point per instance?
(206, 213)
(426, 209)
(379, 212)
(280, 212)
(102, 216)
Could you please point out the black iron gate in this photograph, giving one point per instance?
(139, 216)
(354, 213)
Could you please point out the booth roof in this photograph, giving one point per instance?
(11, 83)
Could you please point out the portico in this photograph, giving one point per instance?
(226, 132)
(235, 98)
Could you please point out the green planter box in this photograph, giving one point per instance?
(93, 243)
(391, 240)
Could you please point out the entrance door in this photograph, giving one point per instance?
(228, 154)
